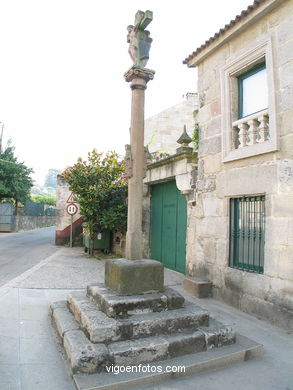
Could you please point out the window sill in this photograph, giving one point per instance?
(249, 151)
(259, 271)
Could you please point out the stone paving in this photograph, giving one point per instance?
(30, 358)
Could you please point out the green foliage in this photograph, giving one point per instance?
(50, 200)
(151, 141)
(195, 137)
(158, 155)
(100, 185)
(195, 134)
(15, 180)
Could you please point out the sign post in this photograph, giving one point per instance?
(71, 231)
(71, 209)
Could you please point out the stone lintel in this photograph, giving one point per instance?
(130, 277)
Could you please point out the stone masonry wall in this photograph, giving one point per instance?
(268, 295)
(23, 222)
(163, 129)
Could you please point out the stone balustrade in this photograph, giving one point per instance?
(253, 129)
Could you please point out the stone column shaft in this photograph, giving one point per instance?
(138, 78)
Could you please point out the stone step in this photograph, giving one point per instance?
(122, 305)
(151, 349)
(152, 375)
(101, 328)
(62, 318)
(98, 327)
(85, 356)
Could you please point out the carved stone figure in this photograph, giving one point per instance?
(139, 39)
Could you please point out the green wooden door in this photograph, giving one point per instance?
(168, 226)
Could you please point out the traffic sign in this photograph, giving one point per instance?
(72, 208)
(72, 198)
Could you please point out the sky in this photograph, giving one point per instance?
(62, 90)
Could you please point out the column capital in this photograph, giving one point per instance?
(137, 72)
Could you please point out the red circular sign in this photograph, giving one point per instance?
(72, 208)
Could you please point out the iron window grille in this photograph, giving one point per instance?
(247, 231)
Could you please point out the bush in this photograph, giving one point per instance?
(50, 200)
(101, 187)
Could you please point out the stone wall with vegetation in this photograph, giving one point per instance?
(22, 222)
(163, 129)
(268, 295)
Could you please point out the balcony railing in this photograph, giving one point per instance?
(253, 129)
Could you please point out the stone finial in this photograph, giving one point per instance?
(184, 139)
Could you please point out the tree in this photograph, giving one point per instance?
(101, 187)
(15, 180)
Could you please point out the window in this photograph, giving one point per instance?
(246, 237)
(252, 91)
(248, 104)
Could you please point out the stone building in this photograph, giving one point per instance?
(232, 204)
(63, 195)
(163, 129)
(240, 232)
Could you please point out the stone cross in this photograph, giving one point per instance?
(136, 275)
(138, 76)
(139, 39)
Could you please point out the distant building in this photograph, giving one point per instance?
(163, 129)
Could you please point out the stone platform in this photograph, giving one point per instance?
(101, 328)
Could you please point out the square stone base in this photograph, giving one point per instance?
(198, 287)
(129, 277)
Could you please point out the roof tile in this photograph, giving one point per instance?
(232, 22)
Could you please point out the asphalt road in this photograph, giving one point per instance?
(21, 251)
